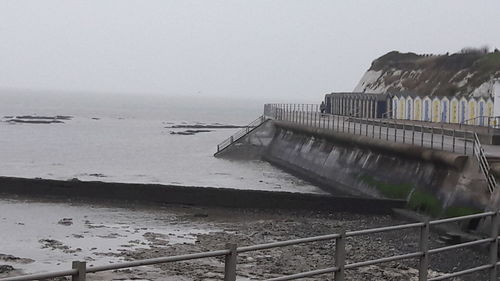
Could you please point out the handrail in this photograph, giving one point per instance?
(386, 114)
(241, 133)
(466, 122)
(452, 140)
(80, 270)
(483, 164)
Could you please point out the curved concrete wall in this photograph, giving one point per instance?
(439, 183)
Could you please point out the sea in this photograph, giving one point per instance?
(128, 138)
(115, 138)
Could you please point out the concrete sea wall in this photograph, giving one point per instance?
(435, 182)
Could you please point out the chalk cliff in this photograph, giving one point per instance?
(469, 73)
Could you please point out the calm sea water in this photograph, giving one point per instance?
(123, 138)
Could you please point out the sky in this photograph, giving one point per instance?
(273, 49)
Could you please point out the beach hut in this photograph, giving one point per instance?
(395, 102)
(426, 109)
(454, 110)
(417, 109)
(445, 110)
(472, 113)
(463, 110)
(490, 111)
(481, 112)
(401, 106)
(409, 108)
(436, 110)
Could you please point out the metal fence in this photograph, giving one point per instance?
(241, 133)
(491, 122)
(452, 140)
(438, 138)
(340, 267)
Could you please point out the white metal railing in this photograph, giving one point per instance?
(241, 133)
(340, 267)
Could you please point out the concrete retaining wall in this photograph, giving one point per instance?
(436, 182)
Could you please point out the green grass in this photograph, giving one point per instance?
(488, 62)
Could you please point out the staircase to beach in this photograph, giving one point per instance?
(240, 134)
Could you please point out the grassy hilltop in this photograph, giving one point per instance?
(467, 73)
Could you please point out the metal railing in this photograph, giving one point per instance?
(483, 164)
(241, 133)
(80, 270)
(438, 138)
(483, 121)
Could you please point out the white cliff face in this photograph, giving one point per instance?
(465, 74)
(396, 80)
(368, 82)
(485, 90)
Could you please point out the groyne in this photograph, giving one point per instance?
(193, 195)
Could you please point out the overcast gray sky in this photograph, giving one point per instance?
(264, 48)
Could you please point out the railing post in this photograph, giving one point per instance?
(422, 135)
(404, 133)
(465, 143)
(453, 141)
(82, 271)
(380, 129)
(373, 129)
(442, 138)
(387, 131)
(230, 263)
(424, 248)
(495, 219)
(366, 126)
(413, 134)
(395, 132)
(340, 257)
(432, 137)
(473, 146)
